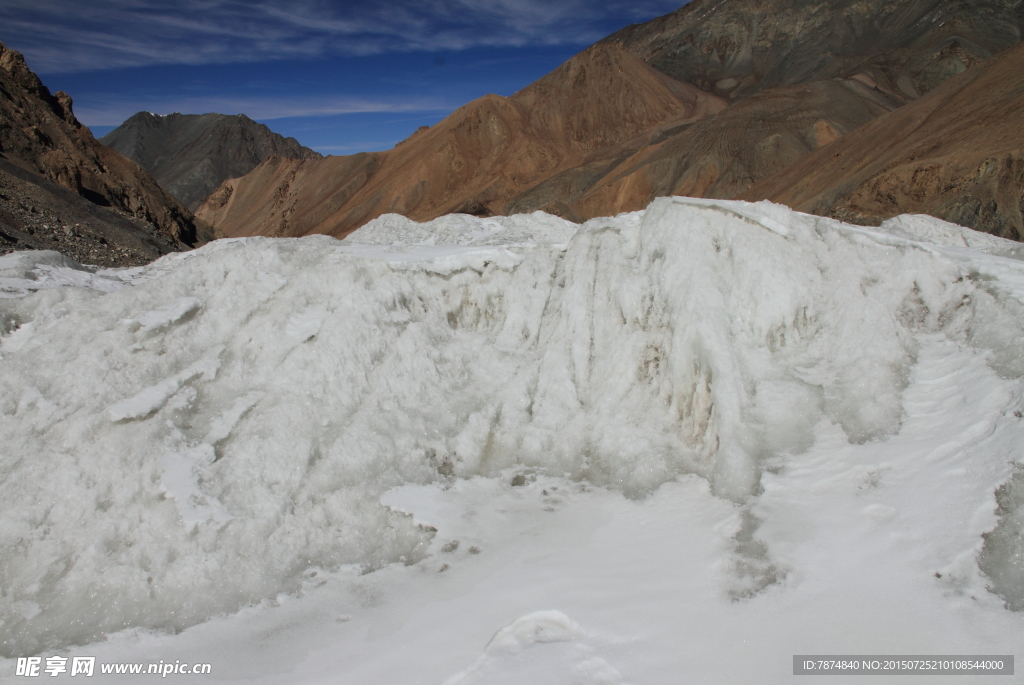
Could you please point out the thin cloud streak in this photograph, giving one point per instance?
(68, 36)
(112, 112)
(362, 146)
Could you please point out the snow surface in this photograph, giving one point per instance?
(25, 272)
(678, 445)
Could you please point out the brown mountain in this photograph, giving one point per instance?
(643, 113)
(957, 153)
(720, 156)
(42, 143)
(799, 73)
(474, 160)
(740, 47)
(191, 154)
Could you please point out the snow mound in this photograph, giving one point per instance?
(463, 229)
(25, 272)
(931, 230)
(196, 442)
(563, 657)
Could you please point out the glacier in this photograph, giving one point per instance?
(708, 435)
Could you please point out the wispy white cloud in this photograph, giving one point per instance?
(112, 111)
(70, 35)
(361, 146)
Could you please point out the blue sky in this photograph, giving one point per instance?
(341, 77)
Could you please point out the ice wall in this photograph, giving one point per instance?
(204, 438)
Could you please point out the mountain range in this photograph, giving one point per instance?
(712, 100)
(484, 153)
(856, 109)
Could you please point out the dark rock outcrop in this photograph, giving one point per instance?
(38, 214)
(191, 154)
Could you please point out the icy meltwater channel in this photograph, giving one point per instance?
(697, 439)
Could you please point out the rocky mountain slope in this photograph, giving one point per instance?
(717, 157)
(739, 47)
(191, 154)
(957, 153)
(706, 101)
(44, 150)
(38, 214)
(797, 74)
(473, 161)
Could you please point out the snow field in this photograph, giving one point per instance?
(210, 436)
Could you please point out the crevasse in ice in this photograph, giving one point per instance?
(184, 439)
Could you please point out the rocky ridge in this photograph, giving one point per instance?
(43, 145)
(38, 214)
